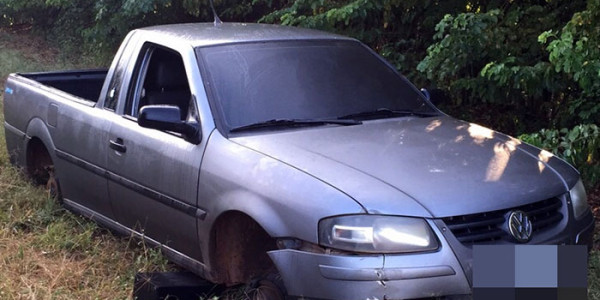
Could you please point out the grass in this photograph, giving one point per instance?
(594, 275)
(49, 253)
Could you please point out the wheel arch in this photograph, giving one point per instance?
(38, 144)
(37, 129)
(238, 248)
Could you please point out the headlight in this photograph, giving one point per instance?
(377, 234)
(579, 199)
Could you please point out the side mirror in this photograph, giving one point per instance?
(435, 96)
(168, 118)
(426, 94)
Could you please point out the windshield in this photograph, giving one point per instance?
(257, 82)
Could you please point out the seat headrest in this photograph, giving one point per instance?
(166, 72)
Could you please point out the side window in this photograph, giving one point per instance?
(115, 84)
(159, 79)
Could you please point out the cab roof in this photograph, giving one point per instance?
(208, 34)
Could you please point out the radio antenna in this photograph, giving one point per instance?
(217, 21)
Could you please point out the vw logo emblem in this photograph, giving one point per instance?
(520, 226)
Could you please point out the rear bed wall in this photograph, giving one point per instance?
(85, 84)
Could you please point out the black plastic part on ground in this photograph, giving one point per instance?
(172, 285)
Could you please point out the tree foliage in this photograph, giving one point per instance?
(575, 52)
(579, 146)
(97, 27)
(399, 30)
(492, 59)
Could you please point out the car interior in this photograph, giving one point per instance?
(166, 82)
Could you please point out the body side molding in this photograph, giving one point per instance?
(150, 193)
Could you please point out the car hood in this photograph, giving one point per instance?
(429, 167)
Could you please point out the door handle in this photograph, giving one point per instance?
(118, 145)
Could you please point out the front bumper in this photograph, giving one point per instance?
(445, 273)
(402, 276)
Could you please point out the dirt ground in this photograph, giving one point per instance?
(30, 45)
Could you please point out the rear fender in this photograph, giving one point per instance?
(37, 129)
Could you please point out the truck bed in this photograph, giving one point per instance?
(85, 84)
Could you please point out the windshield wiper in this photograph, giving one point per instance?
(388, 113)
(294, 123)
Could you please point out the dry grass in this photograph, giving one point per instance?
(48, 253)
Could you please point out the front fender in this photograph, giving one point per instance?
(283, 200)
(256, 207)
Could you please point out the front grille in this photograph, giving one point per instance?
(488, 227)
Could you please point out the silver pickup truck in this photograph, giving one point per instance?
(295, 159)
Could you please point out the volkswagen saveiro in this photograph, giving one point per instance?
(295, 159)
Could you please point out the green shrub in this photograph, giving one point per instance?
(575, 51)
(579, 146)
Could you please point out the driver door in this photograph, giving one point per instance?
(154, 174)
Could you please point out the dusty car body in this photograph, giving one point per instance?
(248, 150)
